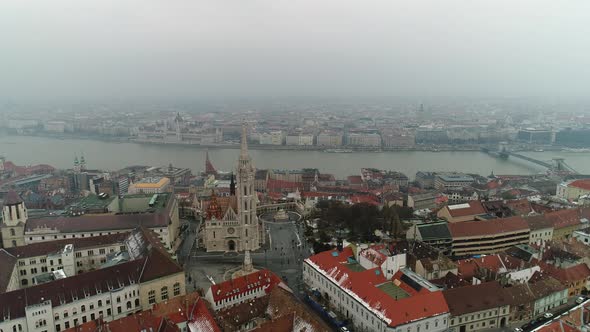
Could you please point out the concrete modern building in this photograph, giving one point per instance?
(488, 236)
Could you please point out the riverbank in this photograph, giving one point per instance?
(253, 146)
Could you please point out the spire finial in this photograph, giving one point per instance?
(244, 148)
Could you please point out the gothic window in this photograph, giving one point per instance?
(128, 305)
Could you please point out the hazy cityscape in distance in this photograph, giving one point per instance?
(304, 166)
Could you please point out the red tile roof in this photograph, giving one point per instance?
(574, 273)
(491, 227)
(564, 218)
(201, 319)
(473, 298)
(89, 223)
(558, 326)
(155, 263)
(355, 179)
(467, 268)
(475, 208)
(141, 321)
(44, 248)
(582, 184)
(12, 198)
(363, 286)
(520, 206)
(260, 279)
(7, 263)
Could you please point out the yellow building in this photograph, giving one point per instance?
(155, 185)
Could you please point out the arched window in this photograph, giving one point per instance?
(118, 299)
(25, 282)
(136, 303)
(152, 297)
(177, 289)
(83, 308)
(100, 303)
(12, 233)
(164, 293)
(14, 243)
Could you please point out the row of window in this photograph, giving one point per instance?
(163, 293)
(65, 236)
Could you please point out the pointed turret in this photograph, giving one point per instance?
(209, 169)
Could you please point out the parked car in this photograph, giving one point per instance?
(344, 329)
(580, 300)
(547, 315)
(517, 329)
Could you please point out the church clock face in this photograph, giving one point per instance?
(230, 230)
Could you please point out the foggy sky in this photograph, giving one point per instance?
(219, 48)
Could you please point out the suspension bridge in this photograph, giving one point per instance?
(555, 165)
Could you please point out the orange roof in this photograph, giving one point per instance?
(201, 319)
(567, 275)
(582, 184)
(471, 208)
(260, 279)
(564, 218)
(558, 326)
(364, 287)
(467, 268)
(491, 227)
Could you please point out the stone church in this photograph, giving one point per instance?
(231, 223)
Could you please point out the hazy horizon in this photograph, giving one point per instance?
(107, 49)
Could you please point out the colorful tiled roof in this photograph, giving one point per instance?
(260, 279)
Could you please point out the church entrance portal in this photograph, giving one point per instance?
(231, 245)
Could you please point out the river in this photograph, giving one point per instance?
(27, 150)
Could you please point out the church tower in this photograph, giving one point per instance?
(77, 168)
(247, 197)
(14, 217)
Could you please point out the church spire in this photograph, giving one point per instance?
(244, 148)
